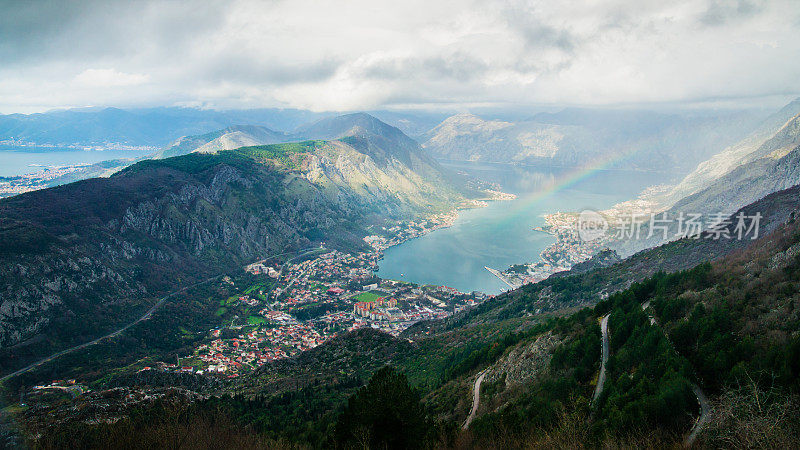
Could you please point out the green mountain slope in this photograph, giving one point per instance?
(728, 327)
(79, 259)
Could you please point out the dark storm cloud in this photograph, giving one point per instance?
(243, 68)
(33, 31)
(538, 35)
(30, 29)
(457, 66)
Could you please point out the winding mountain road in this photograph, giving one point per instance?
(115, 333)
(601, 379)
(705, 415)
(705, 408)
(476, 398)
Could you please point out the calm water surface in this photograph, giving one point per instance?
(501, 234)
(13, 163)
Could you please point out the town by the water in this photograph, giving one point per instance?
(294, 305)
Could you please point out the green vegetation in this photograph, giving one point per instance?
(282, 153)
(176, 328)
(369, 297)
(255, 320)
(386, 413)
(647, 399)
(165, 424)
(518, 268)
(193, 163)
(567, 383)
(730, 327)
(648, 383)
(312, 311)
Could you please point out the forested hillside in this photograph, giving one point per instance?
(724, 331)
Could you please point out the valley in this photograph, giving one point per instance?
(274, 284)
(377, 225)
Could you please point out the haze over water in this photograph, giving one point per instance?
(502, 234)
(14, 163)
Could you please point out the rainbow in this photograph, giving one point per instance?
(568, 180)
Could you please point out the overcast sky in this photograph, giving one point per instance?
(349, 55)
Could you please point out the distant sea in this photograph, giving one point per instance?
(16, 161)
(502, 234)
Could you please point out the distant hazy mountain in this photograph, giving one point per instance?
(107, 247)
(765, 139)
(629, 139)
(468, 137)
(152, 126)
(775, 166)
(414, 124)
(384, 144)
(160, 126)
(349, 125)
(226, 139)
(734, 178)
(237, 136)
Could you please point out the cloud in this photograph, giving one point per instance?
(110, 78)
(361, 54)
(720, 12)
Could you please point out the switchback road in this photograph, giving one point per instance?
(476, 398)
(601, 379)
(705, 408)
(705, 415)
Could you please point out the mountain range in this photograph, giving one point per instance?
(78, 259)
(688, 322)
(766, 161)
(146, 126)
(677, 330)
(160, 126)
(574, 137)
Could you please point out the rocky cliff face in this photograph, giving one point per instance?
(111, 262)
(39, 290)
(363, 155)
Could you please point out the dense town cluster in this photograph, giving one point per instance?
(21, 144)
(568, 250)
(389, 236)
(35, 180)
(42, 177)
(299, 304)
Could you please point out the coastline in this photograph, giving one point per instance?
(569, 249)
(380, 243)
(441, 220)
